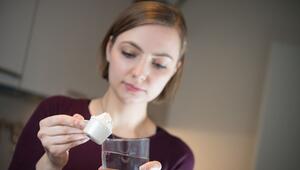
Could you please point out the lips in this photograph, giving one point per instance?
(132, 88)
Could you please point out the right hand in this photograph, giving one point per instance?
(151, 165)
(58, 134)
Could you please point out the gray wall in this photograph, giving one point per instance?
(217, 109)
(279, 135)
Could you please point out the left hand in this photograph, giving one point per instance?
(152, 165)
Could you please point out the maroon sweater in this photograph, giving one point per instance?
(172, 152)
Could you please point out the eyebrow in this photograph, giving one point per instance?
(140, 49)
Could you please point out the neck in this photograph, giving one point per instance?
(130, 115)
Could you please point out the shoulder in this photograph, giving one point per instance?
(178, 153)
(172, 140)
(62, 104)
(59, 99)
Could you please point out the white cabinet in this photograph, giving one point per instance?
(63, 53)
(16, 18)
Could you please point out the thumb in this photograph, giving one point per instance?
(152, 165)
(79, 120)
(78, 116)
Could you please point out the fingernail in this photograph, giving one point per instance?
(81, 124)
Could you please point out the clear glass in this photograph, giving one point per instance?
(125, 154)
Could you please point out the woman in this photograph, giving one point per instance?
(142, 59)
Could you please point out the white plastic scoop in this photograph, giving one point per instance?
(99, 127)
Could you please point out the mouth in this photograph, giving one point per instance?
(132, 88)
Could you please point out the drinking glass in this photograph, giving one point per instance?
(125, 154)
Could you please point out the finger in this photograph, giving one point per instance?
(60, 149)
(64, 139)
(55, 120)
(59, 130)
(101, 168)
(76, 143)
(78, 116)
(79, 120)
(152, 165)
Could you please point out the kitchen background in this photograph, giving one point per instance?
(238, 106)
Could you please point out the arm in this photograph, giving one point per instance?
(45, 164)
(29, 151)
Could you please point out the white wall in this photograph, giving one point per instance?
(217, 109)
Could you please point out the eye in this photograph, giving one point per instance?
(159, 66)
(128, 54)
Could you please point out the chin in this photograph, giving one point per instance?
(130, 99)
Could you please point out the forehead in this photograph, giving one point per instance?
(153, 39)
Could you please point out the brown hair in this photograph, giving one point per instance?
(143, 13)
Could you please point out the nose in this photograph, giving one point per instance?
(141, 71)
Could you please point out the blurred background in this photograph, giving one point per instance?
(238, 107)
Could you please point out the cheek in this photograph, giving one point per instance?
(116, 71)
(118, 68)
(159, 82)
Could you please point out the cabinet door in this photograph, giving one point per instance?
(16, 19)
(64, 50)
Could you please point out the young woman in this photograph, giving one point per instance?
(142, 59)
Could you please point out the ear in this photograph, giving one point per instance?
(108, 49)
